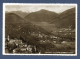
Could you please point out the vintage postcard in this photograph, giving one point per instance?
(39, 29)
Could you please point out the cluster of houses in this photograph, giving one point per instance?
(25, 48)
(66, 31)
(20, 46)
(51, 38)
(39, 34)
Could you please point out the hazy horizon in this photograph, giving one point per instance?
(34, 8)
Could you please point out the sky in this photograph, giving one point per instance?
(58, 8)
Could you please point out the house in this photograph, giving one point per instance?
(17, 42)
(22, 45)
(63, 42)
(16, 50)
(23, 49)
(29, 48)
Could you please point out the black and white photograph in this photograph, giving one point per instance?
(39, 29)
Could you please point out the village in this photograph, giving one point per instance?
(18, 46)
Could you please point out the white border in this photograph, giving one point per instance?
(3, 29)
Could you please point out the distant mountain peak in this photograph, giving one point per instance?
(41, 16)
(43, 10)
(13, 18)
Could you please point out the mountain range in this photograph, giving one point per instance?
(19, 13)
(43, 20)
(15, 26)
(41, 16)
(66, 19)
(50, 20)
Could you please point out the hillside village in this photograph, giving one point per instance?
(18, 46)
(40, 32)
